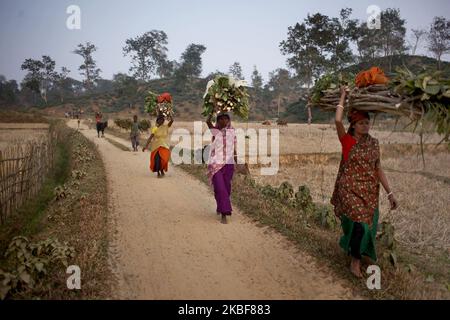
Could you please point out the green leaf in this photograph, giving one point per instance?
(433, 89)
(39, 266)
(425, 81)
(393, 258)
(25, 277)
(425, 97)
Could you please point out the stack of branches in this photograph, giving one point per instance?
(375, 98)
(425, 96)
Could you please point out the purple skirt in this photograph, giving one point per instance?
(222, 188)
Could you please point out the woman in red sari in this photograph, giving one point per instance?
(356, 192)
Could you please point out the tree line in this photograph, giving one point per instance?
(319, 44)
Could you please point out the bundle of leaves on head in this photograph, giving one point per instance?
(159, 104)
(429, 94)
(225, 94)
(422, 96)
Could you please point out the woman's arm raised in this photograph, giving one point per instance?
(340, 114)
(209, 123)
(170, 121)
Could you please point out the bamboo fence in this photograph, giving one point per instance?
(23, 170)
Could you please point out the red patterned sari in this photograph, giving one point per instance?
(356, 191)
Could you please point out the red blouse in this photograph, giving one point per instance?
(347, 142)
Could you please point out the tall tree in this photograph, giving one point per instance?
(9, 90)
(33, 78)
(166, 68)
(418, 34)
(368, 43)
(305, 55)
(62, 82)
(280, 84)
(236, 71)
(387, 41)
(257, 80)
(319, 44)
(124, 84)
(49, 76)
(89, 68)
(342, 30)
(148, 54)
(191, 61)
(439, 38)
(41, 75)
(392, 34)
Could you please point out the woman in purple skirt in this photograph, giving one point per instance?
(221, 162)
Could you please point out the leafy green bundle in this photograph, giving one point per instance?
(154, 107)
(429, 92)
(225, 94)
(151, 101)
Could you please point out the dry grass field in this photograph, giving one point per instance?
(309, 155)
(11, 133)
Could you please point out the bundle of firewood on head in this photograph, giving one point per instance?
(225, 94)
(423, 96)
(159, 104)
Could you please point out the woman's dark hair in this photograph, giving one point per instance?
(159, 118)
(224, 115)
(351, 130)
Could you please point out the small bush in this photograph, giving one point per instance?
(29, 263)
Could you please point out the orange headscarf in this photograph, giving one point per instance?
(372, 76)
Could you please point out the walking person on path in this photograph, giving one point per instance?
(160, 149)
(356, 192)
(134, 134)
(221, 162)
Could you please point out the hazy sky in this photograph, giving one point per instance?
(248, 31)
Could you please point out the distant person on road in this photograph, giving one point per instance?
(221, 162)
(356, 192)
(101, 126)
(78, 121)
(134, 134)
(160, 149)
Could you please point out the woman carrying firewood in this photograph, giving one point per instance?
(356, 192)
(221, 162)
(160, 149)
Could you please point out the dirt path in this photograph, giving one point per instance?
(170, 245)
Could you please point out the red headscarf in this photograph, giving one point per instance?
(357, 115)
(165, 97)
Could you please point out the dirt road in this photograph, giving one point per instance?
(169, 244)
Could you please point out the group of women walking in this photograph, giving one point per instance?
(356, 193)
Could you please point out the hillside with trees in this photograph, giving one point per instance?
(313, 47)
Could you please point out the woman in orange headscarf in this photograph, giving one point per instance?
(160, 149)
(356, 191)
